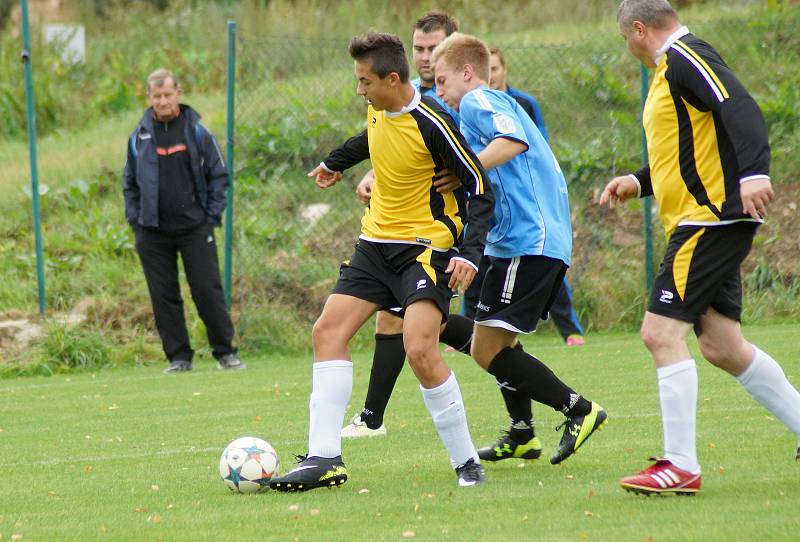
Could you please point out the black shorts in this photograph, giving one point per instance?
(396, 275)
(517, 292)
(701, 270)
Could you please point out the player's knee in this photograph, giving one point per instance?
(654, 338)
(323, 332)
(482, 355)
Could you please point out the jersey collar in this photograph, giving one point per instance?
(410, 106)
(678, 34)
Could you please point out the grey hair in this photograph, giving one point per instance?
(159, 77)
(653, 13)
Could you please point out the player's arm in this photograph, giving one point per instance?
(348, 154)
(707, 83)
(499, 151)
(445, 141)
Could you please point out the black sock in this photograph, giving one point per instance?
(532, 378)
(519, 410)
(457, 333)
(387, 362)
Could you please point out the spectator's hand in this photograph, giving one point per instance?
(445, 182)
(461, 274)
(364, 188)
(756, 195)
(618, 191)
(325, 178)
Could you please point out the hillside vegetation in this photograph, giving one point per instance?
(295, 99)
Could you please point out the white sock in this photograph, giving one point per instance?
(447, 410)
(677, 387)
(765, 381)
(331, 387)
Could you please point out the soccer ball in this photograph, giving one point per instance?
(247, 464)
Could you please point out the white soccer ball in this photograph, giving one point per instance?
(247, 464)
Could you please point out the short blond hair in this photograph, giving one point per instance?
(159, 78)
(458, 50)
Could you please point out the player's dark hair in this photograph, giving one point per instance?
(385, 51)
(436, 20)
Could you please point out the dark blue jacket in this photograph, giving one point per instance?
(140, 179)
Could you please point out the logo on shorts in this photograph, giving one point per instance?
(423, 241)
(666, 296)
(421, 284)
(482, 307)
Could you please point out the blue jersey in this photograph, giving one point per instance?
(431, 91)
(535, 111)
(531, 210)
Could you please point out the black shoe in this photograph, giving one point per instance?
(576, 431)
(508, 448)
(178, 365)
(797, 454)
(311, 473)
(470, 473)
(230, 361)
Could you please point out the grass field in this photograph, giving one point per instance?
(132, 455)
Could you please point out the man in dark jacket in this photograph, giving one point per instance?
(174, 186)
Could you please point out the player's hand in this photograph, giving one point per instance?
(618, 191)
(444, 182)
(325, 178)
(461, 274)
(756, 195)
(364, 188)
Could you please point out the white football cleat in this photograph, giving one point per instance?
(358, 429)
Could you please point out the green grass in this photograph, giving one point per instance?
(131, 454)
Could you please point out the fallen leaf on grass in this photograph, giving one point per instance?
(591, 493)
(314, 511)
(140, 509)
(88, 468)
(155, 518)
(363, 491)
(154, 487)
(409, 534)
(588, 514)
(294, 507)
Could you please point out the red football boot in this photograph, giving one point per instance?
(662, 478)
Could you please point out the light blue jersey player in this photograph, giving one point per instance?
(532, 205)
(528, 246)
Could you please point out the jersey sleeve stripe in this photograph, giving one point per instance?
(708, 74)
(482, 100)
(454, 143)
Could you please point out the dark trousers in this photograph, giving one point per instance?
(158, 253)
(562, 311)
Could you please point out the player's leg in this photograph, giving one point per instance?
(697, 265)
(564, 317)
(440, 389)
(387, 361)
(515, 294)
(355, 298)
(519, 441)
(722, 343)
(332, 384)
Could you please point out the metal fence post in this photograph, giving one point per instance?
(31, 114)
(648, 201)
(229, 152)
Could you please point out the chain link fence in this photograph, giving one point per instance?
(296, 100)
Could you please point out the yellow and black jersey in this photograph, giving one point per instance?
(705, 135)
(408, 149)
